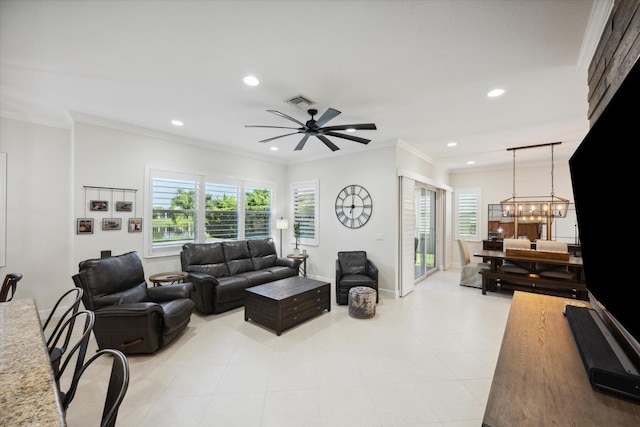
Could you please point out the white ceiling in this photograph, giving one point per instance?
(419, 70)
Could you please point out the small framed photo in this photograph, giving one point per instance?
(111, 223)
(99, 205)
(135, 225)
(84, 226)
(124, 206)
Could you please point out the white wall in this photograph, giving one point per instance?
(374, 170)
(39, 225)
(108, 157)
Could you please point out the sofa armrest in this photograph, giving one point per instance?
(132, 309)
(372, 270)
(203, 291)
(338, 272)
(169, 292)
(289, 262)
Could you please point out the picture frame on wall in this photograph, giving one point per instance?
(135, 225)
(111, 223)
(99, 205)
(124, 206)
(84, 226)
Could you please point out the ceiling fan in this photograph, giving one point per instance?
(315, 128)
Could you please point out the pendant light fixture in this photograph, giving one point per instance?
(542, 209)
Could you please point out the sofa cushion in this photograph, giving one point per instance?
(237, 256)
(215, 270)
(136, 294)
(114, 280)
(205, 258)
(354, 262)
(257, 277)
(263, 253)
(202, 253)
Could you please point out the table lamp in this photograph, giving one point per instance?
(281, 224)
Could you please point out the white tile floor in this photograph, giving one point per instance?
(423, 360)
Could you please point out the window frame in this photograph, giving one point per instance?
(313, 185)
(466, 193)
(153, 250)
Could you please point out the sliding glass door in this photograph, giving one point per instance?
(425, 231)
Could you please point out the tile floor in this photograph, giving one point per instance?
(424, 360)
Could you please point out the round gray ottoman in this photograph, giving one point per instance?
(362, 302)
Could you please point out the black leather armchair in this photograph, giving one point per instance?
(353, 268)
(130, 316)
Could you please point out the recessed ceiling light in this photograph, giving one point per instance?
(495, 92)
(452, 144)
(251, 81)
(471, 162)
(177, 122)
(274, 148)
(351, 130)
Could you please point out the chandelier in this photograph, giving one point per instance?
(534, 208)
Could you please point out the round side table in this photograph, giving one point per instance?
(170, 277)
(303, 267)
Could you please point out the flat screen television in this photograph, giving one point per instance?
(605, 187)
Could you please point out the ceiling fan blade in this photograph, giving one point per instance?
(273, 127)
(328, 143)
(276, 137)
(350, 137)
(361, 126)
(303, 141)
(326, 116)
(278, 113)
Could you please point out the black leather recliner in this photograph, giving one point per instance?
(130, 316)
(353, 268)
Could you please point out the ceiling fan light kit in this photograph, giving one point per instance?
(316, 128)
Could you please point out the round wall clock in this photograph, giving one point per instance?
(354, 206)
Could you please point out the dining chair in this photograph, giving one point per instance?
(9, 284)
(509, 266)
(116, 390)
(66, 306)
(553, 270)
(63, 355)
(470, 272)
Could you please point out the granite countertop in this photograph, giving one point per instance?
(28, 395)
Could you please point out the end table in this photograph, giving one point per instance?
(169, 277)
(303, 266)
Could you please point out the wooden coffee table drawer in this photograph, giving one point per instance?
(285, 303)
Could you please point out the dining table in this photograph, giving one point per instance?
(28, 392)
(575, 288)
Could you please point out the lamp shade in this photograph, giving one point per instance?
(282, 224)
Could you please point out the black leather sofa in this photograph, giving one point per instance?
(221, 271)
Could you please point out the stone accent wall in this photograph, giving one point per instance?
(617, 52)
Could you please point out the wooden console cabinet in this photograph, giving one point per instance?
(540, 379)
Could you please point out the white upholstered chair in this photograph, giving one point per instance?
(514, 266)
(470, 273)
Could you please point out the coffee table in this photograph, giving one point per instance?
(285, 303)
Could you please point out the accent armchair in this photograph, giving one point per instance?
(130, 316)
(353, 268)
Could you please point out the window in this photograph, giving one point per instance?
(305, 210)
(467, 218)
(187, 208)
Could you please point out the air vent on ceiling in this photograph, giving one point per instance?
(300, 102)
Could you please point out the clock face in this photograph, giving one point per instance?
(354, 206)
